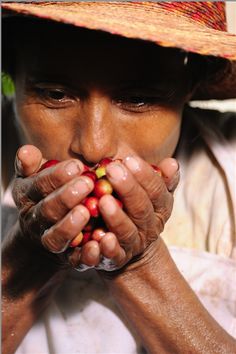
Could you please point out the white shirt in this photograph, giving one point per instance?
(201, 238)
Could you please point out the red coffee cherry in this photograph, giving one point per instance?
(77, 240)
(98, 234)
(87, 237)
(91, 204)
(47, 164)
(102, 187)
(90, 174)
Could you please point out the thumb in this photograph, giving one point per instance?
(170, 173)
(28, 160)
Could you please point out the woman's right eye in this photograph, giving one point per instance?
(54, 94)
(54, 97)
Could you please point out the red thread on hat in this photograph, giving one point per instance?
(212, 14)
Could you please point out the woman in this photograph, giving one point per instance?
(83, 95)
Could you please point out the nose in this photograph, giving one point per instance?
(94, 136)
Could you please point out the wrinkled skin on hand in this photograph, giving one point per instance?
(51, 213)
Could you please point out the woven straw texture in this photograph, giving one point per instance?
(198, 27)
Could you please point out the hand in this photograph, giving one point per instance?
(50, 213)
(148, 201)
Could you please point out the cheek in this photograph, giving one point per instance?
(43, 129)
(156, 138)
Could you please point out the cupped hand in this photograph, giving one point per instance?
(148, 200)
(50, 213)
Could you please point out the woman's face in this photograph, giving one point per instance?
(88, 96)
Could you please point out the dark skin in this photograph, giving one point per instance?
(102, 98)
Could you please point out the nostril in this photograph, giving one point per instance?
(85, 162)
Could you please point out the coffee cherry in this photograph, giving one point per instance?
(102, 187)
(101, 169)
(86, 168)
(98, 234)
(77, 240)
(104, 162)
(90, 174)
(47, 164)
(87, 237)
(100, 172)
(95, 229)
(157, 170)
(91, 204)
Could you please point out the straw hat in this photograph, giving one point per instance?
(197, 27)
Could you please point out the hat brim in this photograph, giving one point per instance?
(133, 20)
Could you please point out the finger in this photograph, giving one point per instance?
(90, 253)
(110, 248)
(41, 184)
(152, 183)
(57, 204)
(57, 238)
(137, 203)
(170, 172)
(28, 159)
(120, 224)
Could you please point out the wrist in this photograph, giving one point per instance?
(152, 258)
(24, 265)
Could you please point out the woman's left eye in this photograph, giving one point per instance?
(136, 103)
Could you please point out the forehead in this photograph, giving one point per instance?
(68, 51)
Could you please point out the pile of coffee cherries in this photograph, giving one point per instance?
(96, 227)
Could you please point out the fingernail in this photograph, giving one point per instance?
(110, 243)
(132, 163)
(175, 164)
(72, 168)
(173, 184)
(108, 205)
(116, 171)
(92, 252)
(81, 186)
(79, 215)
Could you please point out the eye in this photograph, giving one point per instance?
(137, 103)
(55, 94)
(53, 97)
(52, 93)
(145, 99)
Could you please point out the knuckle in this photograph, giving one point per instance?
(43, 184)
(54, 243)
(161, 218)
(156, 189)
(19, 192)
(130, 190)
(127, 239)
(46, 211)
(54, 179)
(142, 211)
(160, 222)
